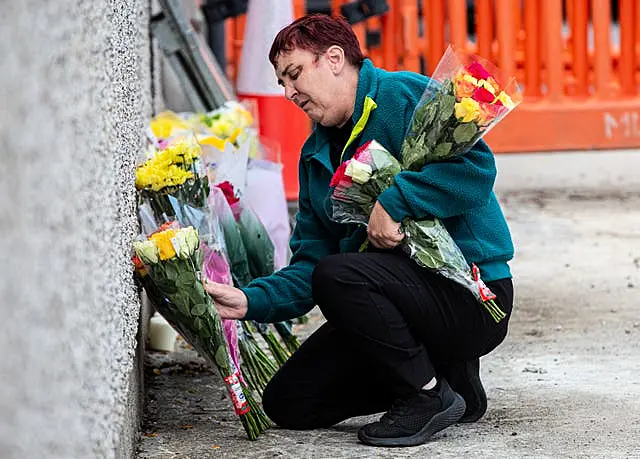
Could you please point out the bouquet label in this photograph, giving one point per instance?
(485, 293)
(237, 394)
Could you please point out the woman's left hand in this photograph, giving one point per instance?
(230, 302)
(383, 231)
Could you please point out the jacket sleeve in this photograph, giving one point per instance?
(442, 189)
(286, 294)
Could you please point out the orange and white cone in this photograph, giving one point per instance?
(279, 120)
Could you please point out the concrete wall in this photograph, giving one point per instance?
(75, 93)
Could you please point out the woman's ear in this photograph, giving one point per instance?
(336, 59)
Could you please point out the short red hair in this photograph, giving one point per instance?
(317, 33)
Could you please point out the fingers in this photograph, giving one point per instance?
(387, 240)
(212, 288)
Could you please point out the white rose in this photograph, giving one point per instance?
(147, 251)
(359, 172)
(192, 238)
(180, 245)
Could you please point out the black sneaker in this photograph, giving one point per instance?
(464, 378)
(412, 421)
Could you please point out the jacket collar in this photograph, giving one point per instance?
(365, 102)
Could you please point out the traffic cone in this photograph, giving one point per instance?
(279, 120)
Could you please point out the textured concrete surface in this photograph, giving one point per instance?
(75, 92)
(563, 384)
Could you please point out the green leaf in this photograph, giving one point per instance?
(447, 106)
(186, 279)
(199, 289)
(198, 324)
(205, 333)
(181, 300)
(429, 115)
(172, 271)
(464, 132)
(167, 286)
(199, 309)
(222, 358)
(199, 254)
(443, 150)
(447, 87)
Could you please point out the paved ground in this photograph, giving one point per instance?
(566, 382)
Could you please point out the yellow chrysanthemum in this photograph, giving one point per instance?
(162, 240)
(150, 176)
(168, 167)
(182, 152)
(467, 110)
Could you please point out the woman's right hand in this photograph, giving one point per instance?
(230, 302)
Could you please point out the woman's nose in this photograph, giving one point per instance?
(290, 92)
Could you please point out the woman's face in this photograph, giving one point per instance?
(314, 83)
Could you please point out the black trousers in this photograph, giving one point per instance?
(391, 326)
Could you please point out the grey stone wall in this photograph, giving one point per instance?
(75, 85)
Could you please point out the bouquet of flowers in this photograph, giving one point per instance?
(461, 103)
(260, 255)
(358, 182)
(173, 171)
(256, 365)
(464, 99)
(168, 264)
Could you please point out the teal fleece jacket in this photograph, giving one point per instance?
(459, 192)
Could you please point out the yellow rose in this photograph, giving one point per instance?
(163, 241)
(506, 100)
(467, 110)
(488, 86)
(467, 77)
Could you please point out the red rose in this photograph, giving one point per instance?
(229, 193)
(482, 95)
(478, 71)
(339, 176)
(137, 262)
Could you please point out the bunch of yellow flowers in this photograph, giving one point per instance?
(168, 167)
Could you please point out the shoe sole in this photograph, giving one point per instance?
(437, 423)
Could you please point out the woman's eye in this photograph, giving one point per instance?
(295, 77)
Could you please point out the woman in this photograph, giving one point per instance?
(398, 338)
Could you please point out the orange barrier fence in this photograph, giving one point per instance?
(578, 67)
